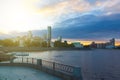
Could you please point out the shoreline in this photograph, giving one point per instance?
(37, 49)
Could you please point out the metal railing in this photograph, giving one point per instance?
(66, 69)
(44, 63)
(25, 60)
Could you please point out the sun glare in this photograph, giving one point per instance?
(21, 16)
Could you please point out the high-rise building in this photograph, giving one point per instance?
(49, 36)
(112, 42)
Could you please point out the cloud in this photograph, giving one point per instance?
(59, 8)
(65, 7)
(37, 14)
(89, 27)
(109, 6)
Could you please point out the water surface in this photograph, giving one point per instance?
(95, 64)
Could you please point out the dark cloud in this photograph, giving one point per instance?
(89, 27)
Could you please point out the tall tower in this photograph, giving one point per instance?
(112, 42)
(49, 36)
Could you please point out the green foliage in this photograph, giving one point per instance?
(27, 43)
(71, 45)
(44, 44)
(87, 46)
(38, 42)
(8, 42)
(35, 43)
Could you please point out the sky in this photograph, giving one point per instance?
(87, 19)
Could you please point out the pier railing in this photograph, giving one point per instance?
(48, 64)
(74, 73)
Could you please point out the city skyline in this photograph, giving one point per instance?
(84, 20)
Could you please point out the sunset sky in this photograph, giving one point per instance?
(77, 19)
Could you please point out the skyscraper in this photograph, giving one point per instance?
(49, 35)
(112, 41)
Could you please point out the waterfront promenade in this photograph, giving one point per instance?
(65, 72)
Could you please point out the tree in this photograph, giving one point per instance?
(35, 44)
(27, 43)
(7, 42)
(57, 44)
(44, 44)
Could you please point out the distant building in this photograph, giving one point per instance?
(52, 44)
(93, 45)
(49, 36)
(30, 35)
(77, 45)
(59, 39)
(110, 44)
(101, 45)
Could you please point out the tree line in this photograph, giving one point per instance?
(33, 43)
(26, 43)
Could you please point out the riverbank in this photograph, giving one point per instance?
(4, 56)
(35, 49)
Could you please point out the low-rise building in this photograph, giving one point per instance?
(110, 44)
(77, 45)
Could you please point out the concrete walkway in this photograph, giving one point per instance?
(23, 73)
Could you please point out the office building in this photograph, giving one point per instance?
(77, 45)
(49, 36)
(59, 39)
(110, 44)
